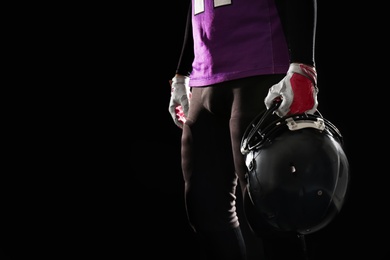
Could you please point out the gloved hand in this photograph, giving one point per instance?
(180, 99)
(297, 91)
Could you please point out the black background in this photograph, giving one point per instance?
(95, 167)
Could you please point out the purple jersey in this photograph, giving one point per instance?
(235, 39)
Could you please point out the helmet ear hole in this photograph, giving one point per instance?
(297, 174)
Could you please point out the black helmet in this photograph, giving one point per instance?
(297, 171)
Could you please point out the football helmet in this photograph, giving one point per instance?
(297, 172)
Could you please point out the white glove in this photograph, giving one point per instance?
(180, 99)
(297, 91)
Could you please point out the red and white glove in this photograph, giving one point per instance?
(297, 91)
(180, 99)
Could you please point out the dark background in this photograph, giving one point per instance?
(95, 167)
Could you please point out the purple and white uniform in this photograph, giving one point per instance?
(232, 48)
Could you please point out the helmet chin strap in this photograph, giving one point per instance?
(294, 125)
